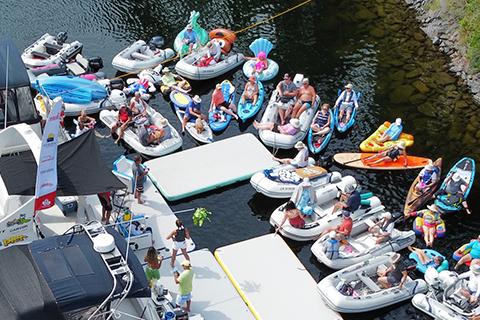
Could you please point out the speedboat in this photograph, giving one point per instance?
(362, 246)
(140, 55)
(50, 50)
(355, 288)
(283, 141)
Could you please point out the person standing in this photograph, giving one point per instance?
(154, 262)
(139, 172)
(106, 203)
(179, 236)
(185, 285)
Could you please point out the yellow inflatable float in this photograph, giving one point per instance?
(370, 145)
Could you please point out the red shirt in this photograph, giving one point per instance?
(346, 226)
(124, 114)
(217, 97)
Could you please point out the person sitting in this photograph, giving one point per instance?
(472, 290)
(350, 200)
(124, 119)
(154, 262)
(434, 262)
(427, 177)
(455, 188)
(213, 55)
(389, 155)
(383, 228)
(286, 93)
(250, 93)
(392, 133)
(305, 99)
(190, 38)
(261, 63)
(331, 246)
(304, 197)
(346, 101)
(344, 229)
(193, 112)
(172, 81)
(393, 275)
(154, 135)
(300, 160)
(291, 128)
(294, 216)
(474, 247)
(218, 102)
(137, 105)
(84, 123)
(321, 122)
(431, 218)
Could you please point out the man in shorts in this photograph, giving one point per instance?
(395, 275)
(185, 283)
(286, 93)
(139, 172)
(305, 99)
(347, 100)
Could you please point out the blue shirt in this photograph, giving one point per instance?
(394, 131)
(193, 105)
(353, 202)
(190, 36)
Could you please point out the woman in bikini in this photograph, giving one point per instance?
(390, 155)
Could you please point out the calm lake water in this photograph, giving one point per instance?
(376, 45)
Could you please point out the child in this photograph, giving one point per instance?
(154, 262)
(139, 172)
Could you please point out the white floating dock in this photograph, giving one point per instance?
(272, 281)
(210, 166)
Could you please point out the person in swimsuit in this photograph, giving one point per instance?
(300, 160)
(261, 63)
(305, 99)
(347, 100)
(389, 155)
(321, 122)
(291, 128)
(250, 93)
(428, 177)
(179, 236)
(106, 202)
(392, 133)
(172, 81)
(304, 197)
(218, 102)
(431, 218)
(474, 253)
(190, 38)
(123, 122)
(152, 270)
(84, 123)
(286, 93)
(294, 216)
(455, 188)
(393, 275)
(436, 262)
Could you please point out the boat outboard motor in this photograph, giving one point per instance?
(432, 278)
(61, 37)
(118, 97)
(95, 64)
(156, 42)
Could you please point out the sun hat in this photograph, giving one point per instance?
(164, 122)
(387, 215)
(197, 99)
(165, 70)
(305, 80)
(218, 86)
(349, 86)
(295, 123)
(186, 263)
(455, 177)
(432, 207)
(299, 145)
(332, 234)
(398, 121)
(189, 27)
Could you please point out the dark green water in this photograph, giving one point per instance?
(376, 44)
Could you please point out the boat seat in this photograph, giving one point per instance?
(75, 68)
(39, 54)
(368, 282)
(52, 48)
(140, 56)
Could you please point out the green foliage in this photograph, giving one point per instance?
(200, 215)
(471, 30)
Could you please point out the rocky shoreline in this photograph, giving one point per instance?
(442, 29)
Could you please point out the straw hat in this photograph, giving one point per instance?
(218, 86)
(164, 122)
(349, 86)
(165, 70)
(196, 99)
(299, 145)
(295, 123)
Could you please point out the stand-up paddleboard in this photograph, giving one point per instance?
(357, 160)
(415, 199)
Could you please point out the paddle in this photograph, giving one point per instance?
(355, 160)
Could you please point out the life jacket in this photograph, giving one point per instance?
(344, 97)
(427, 175)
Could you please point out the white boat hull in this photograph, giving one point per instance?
(125, 62)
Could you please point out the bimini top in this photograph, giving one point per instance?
(17, 73)
(60, 274)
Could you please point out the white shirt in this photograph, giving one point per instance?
(301, 159)
(138, 104)
(344, 96)
(474, 284)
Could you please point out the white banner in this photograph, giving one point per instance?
(46, 184)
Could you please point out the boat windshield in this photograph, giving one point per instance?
(19, 105)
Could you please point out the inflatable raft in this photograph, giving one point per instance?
(357, 160)
(341, 125)
(257, 46)
(361, 246)
(109, 118)
(460, 252)
(439, 229)
(315, 143)
(369, 145)
(140, 55)
(465, 168)
(355, 289)
(247, 110)
(202, 34)
(221, 123)
(430, 254)
(50, 50)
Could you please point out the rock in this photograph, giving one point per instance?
(419, 36)
(417, 98)
(443, 78)
(413, 74)
(454, 132)
(396, 63)
(468, 139)
(377, 33)
(427, 109)
(477, 135)
(461, 104)
(471, 129)
(410, 67)
(398, 75)
(420, 86)
(380, 11)
(401, 93)
(453, 94)
(365, 14)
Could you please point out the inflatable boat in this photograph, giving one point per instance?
(465, 169)
(355, 289)
(322, 218)
(248, 110)
(444, 300)
(316, 143)
(50, 50)
(361, 246)
(370, 145)
(189, 68)
(219, 120)
(257, 46)
(341, 125)
(131, 137)
(140, 55)
(202, 34)
(283, 141)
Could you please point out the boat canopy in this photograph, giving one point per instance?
(80, 170)
(48, 278)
